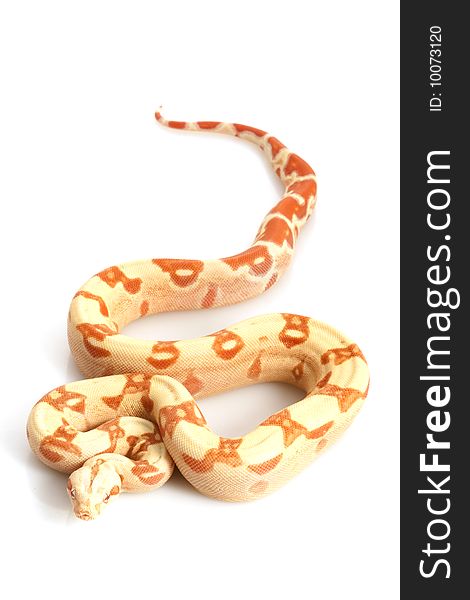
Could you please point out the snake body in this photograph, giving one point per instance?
(124, 428)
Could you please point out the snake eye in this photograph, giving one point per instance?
(106, 498)
(72, 493)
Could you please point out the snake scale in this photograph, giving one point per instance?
(125, 427)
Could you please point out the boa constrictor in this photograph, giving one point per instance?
(122, 429)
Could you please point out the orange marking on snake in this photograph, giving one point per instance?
(102, 304)
(193, 384)
(114, 490)
(227, 344)
(147, 404)
(271, 282)
(276, 145)
(306, 188)
(226, 453)
(94, 472)
(209, 298)
(178, 269)
(289, 207)
(60, 440)
(319, 432)
(291, 429)
(170, 416)
(135, 383)
(208, 124)
(113, 275)
(266, 466)
(276, 231)
(297, 165)
(298, 370)
(295, 330)
(97, 332)
(113, 402)
(144, 308)
(166, 354)
(60, 399)
(247, 128)
(324, 380)
(176, 124)
(114, 431)
(147, 473)
(257, 258)
(254, 370)
(132, 441)
(141, 444)
(345, 396)
(340, 355)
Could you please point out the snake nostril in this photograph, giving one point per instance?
(85, 516)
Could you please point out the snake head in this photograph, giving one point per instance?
(93, 486)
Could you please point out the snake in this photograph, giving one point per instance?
(136, 416)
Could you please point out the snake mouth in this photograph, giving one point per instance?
(84, 516)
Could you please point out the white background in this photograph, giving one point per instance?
(90, 180)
